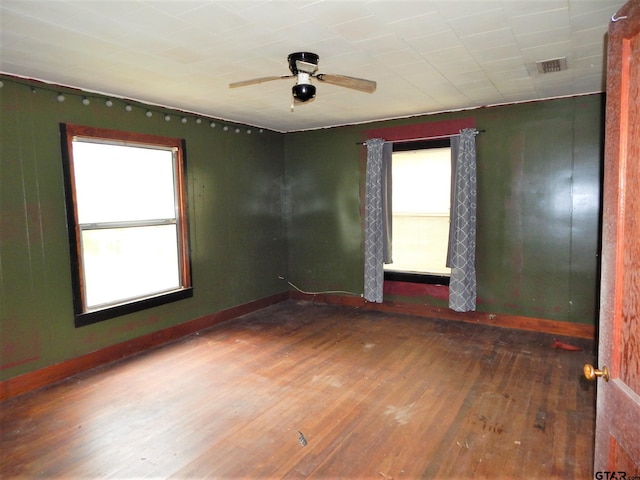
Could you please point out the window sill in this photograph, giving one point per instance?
(431, 279)
(87, 318)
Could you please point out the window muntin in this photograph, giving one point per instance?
(126, 210)
(421, 191)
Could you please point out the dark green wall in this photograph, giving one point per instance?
(238, 236)
(324, 182)
(538, 208)
(267, 204)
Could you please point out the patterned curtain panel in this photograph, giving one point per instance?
(461, 256)
(373, 223)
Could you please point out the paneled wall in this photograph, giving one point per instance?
(264, 204)
(238, 237)
(539, 168)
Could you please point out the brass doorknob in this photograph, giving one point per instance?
(591, 373)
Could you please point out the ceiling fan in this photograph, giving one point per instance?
(304, 66)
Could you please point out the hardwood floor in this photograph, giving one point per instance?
(372, 394)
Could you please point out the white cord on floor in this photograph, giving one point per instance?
(319, 293)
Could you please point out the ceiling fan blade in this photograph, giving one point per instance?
(361, 84)
(255, 81)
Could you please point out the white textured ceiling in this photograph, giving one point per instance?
(426, 56)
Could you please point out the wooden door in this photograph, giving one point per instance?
(617, 447)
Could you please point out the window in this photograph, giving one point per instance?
(126, 215)
(421, 197)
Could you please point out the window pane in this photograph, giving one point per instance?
(127, 263)
(117, 183)
(421, 181)
(420, 244)
(421, 199)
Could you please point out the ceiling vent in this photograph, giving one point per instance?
(553, 65)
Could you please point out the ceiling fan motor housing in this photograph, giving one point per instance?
(302, 57)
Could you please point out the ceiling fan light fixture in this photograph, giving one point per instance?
(303, 91)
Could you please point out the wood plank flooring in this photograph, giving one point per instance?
(374, 395)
